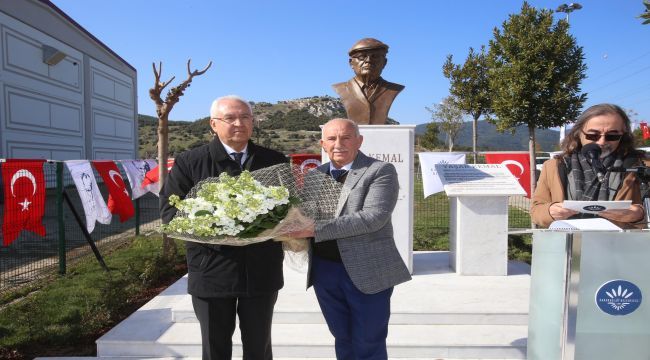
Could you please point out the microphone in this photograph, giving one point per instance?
(641, 171)
(592, 153)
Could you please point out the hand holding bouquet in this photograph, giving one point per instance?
(266, 204)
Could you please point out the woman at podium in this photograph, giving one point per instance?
(592, 166)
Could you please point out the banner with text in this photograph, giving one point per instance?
(430, 180)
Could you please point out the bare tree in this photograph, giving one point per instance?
(163, 108)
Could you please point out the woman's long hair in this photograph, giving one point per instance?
(571, 142)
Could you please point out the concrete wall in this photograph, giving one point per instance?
(82, 107)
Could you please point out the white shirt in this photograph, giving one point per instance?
(345, 167)
(230, 150)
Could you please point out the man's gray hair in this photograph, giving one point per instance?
(216, 102)
(354, 125)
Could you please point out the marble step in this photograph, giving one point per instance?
(184, 313)
(314, 341)
(436, 295)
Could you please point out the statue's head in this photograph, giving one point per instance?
(368, 58)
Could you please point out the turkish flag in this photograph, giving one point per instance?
(24, 187)
(151, 178)
(645, 130)
(303, 163)
(119, 201)
(517, 162)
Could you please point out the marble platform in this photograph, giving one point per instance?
(437, 315)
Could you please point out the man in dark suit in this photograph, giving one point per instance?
(367, 97)
(354, 261)
(226, 281)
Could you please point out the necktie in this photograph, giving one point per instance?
(237, 156)
(336, 174)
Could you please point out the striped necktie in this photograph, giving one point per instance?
(238, 156)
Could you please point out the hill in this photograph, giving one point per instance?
(490, 139)
(289, 126)
(292, 126)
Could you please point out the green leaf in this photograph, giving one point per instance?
(202, 213)
(268, 224)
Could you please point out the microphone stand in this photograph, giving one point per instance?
(645, 193)
(643, 174)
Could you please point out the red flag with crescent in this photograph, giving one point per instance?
(517, 162)
(119, 202)
(24, 196)
(304, 162)
(150, 182)
(645, 131)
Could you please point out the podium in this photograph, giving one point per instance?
(394, 144)
(590, 295)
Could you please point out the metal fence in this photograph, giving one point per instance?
(31, 256)
(431, 215)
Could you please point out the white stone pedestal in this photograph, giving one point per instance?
(394, 144)
(478, 235)
(478, 216)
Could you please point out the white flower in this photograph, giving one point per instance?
(192, 206)
(227, 207)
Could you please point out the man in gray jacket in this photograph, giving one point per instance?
(354, 261)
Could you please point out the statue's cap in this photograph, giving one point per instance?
(367, 44)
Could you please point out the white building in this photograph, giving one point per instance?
(64, 94)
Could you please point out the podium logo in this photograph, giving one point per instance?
(618, 297)
(594, 208)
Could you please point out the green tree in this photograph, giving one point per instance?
(639, 141)
(536, 68)
(429, 140)
(449, 117)
(469, 85)
(646, 14)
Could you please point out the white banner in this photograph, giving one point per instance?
(135, 171)
(94, 205)
(431, 183)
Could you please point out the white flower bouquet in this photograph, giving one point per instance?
(252, 207)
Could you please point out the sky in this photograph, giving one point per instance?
(287, 49)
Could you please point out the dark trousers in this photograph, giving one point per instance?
(358, 321)
(217, 319)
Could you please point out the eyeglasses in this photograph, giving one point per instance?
(597, 136)
(364, 56)
(231, 119)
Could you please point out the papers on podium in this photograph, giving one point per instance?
(595, 224)
(594, 207)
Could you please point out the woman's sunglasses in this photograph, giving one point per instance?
(608, 137)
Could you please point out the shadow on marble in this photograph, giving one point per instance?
(427, 263)
(437, 262)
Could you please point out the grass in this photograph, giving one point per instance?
(66, 315)
(431, 225)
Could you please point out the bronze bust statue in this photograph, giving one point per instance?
(367, 97)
